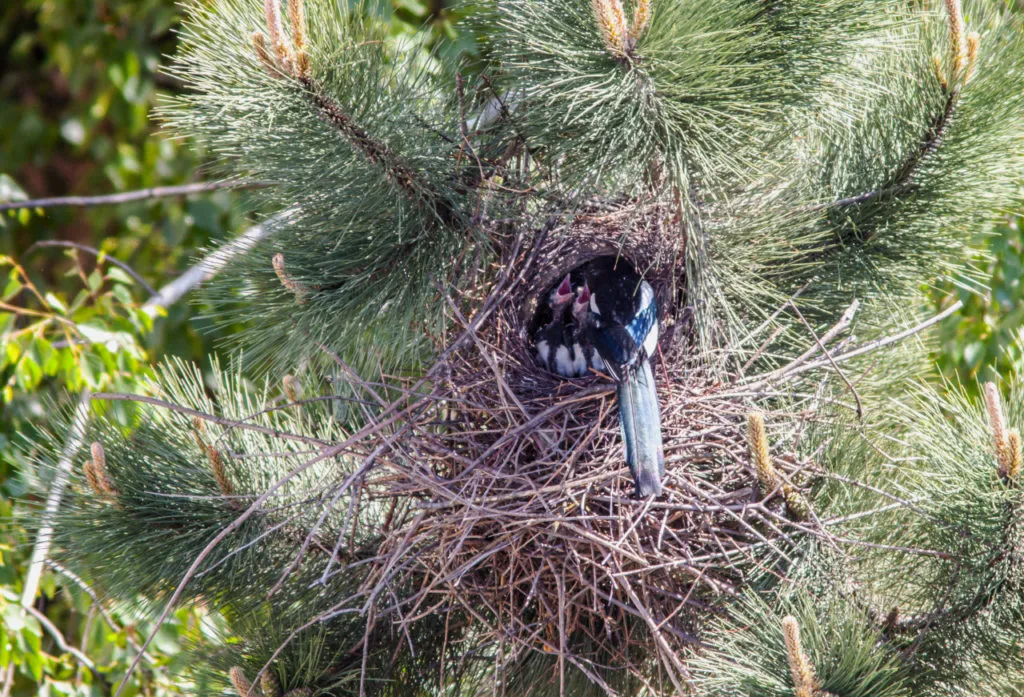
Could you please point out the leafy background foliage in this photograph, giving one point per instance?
(78, 85)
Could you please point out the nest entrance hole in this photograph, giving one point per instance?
(542, 314)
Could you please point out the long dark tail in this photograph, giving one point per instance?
(640, 419)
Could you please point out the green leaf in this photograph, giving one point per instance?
(119, 276)
(34, 663)
(14, 285)
(123, 295)
(13, 617)
(28, 373)
(54, 302)
(49, 361)
(10, 191)
(95, 280)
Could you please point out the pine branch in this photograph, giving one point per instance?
(397, 171)
(964, 54)
(290, 60)
(902, 179)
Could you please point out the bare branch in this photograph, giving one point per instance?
(76, 435)
(211, 265)
(96, 253)
(854, 352)
(129, 196)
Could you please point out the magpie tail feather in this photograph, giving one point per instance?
(640, 420)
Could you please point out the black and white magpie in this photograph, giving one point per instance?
(554, 339)
(622, 325)
(580, 312)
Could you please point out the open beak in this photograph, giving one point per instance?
(564, 292)
(583, 298)
(565, 288)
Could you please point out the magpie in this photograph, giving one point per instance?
(622, 325)
(580, 312)
(554, 338)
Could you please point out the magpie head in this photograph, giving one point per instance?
(581, 307)
(562, 294)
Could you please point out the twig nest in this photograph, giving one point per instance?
(513, 497)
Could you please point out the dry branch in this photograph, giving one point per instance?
(129, 196)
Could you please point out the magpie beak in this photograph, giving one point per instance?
(622, 325)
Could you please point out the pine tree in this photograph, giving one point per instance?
(381, 493)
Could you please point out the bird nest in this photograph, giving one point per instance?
(510, 496)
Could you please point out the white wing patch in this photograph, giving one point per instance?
(646, 294)
(651, 342)
(646, 298)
